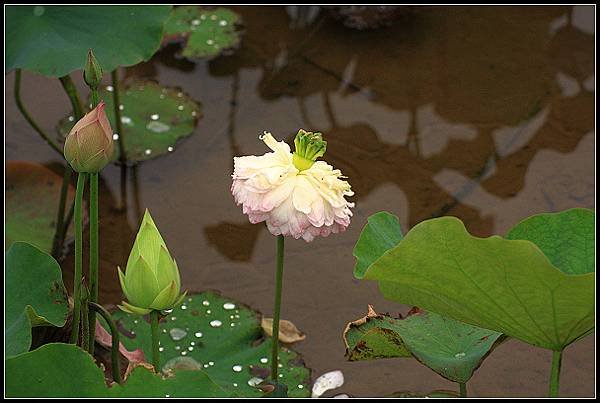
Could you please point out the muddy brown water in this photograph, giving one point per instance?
(484, 113)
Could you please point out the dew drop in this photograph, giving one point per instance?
(235, 384)
(126, 120)
(194, 113)
(170, 149)
(157, 127)
(180, 107)
(121, 107)
(208, 311)
(459, 355)
(211, 363)
(228, 306)
(264, 360)
(281, 375)
(213, 17)
(177, 333)
(192, 343)
(222, 23)
(109, 88)
(216, 323)
(190, 348)
(115, 136)
(184, 352)
(148, 152)
(300, 386)
(154, 116)
(195, 22)
(210, 42)
(205, 303)
(162, 96)
(184, 307)
(71, 118)
(177, 348)
(172, 317)
(198, 334)
(161, 349)
(237, 368)
(205, 365)
(167, 395)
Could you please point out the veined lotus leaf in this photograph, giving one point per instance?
(567, 238)
(154, 118)
(381, 233)
(35, 295)
(32, 196)
(509, 286)
(206, 32)
(223, 337)
(118, 35)
(451, 348)
(65, 370)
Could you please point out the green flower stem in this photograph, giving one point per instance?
(85, 333)
(154, 316)
(463, 389)
(94, 258)
(116, 363)
(78, 256)
(277, 309)
(71, 90)
(27, 116)
(116, 101)
(555, 373)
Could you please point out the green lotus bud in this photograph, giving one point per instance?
(92, 74)
(89, 146)
(309, 147)
(151, 280)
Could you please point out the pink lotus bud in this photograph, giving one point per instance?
(89, 147)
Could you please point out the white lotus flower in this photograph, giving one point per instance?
(294, 194)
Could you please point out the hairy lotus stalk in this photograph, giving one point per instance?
(89, 146)
(293, 193)
(151, 280)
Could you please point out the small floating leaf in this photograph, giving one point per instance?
(154, 118)
(206, 32)
(32, 196)
(35, 295)
(451, 348)
(236, 357)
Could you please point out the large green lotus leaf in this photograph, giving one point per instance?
(220, 336)
(54, 40)
(567, 238)
(381, 233)
(451, 348)
(206, 32)
(32, 196)
(65, 370)
(35, 295)
(154, 118)
(508, 286)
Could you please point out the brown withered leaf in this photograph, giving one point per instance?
(288, 332)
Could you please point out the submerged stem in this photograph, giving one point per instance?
(555, 373)
(85, 324)
(277, 308)
(93, 256)
(27, 116)
(59, 234)
(116, 363)
(155, 351)
(78, 256)
(463, 389)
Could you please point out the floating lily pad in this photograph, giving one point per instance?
(65, 370)
(451, 348)
(32, 197)
(509, 286)
(54, 40)
(154, 118)
(224, 338)
(206, 32)
(35, 295)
